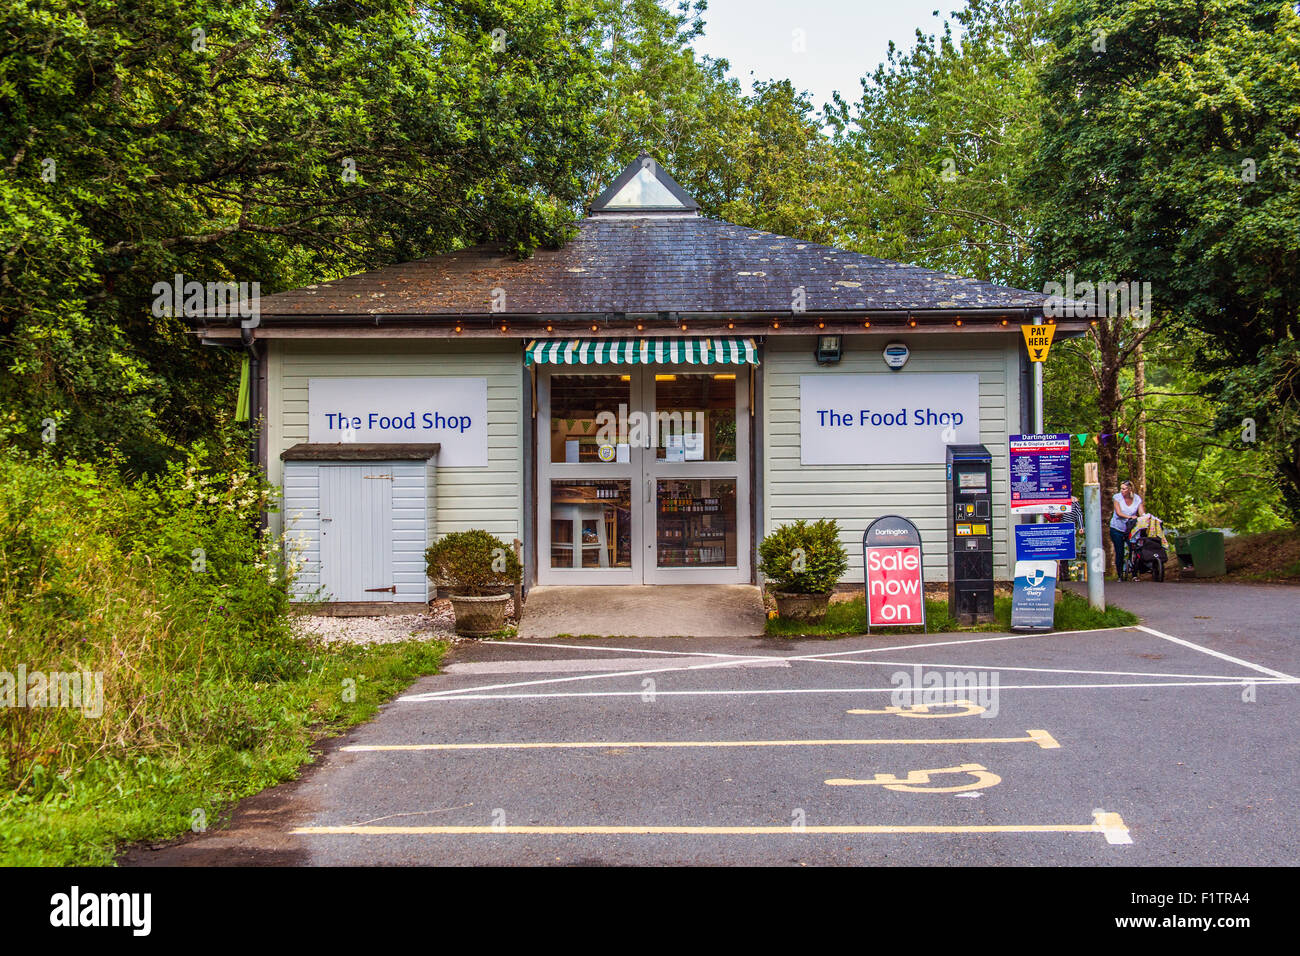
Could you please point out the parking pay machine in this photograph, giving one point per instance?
(970, 533)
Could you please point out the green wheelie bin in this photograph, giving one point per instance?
(1203, 550)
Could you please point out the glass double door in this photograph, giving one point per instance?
(643, 475)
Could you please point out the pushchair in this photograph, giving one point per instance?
(1146, 551)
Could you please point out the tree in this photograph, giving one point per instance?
(938, 143)
(276, 142)
(760, 160)
(1170, 154)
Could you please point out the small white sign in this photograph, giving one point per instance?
(886, 418)
(451, 412)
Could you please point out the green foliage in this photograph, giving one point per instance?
(1194, 478)
(168, 589)
(803, 558)
(253, 737)
(217, 139)
(159, 585)
(849, 618)
(472, 563)
(937, 146)
(1170, 153)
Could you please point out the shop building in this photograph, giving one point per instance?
(637, 407)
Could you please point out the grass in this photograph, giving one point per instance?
(166, 589)
(847, 618)
(113, 799)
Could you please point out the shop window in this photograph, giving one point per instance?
(696, 523)
(591, 524)
(576, 401)
(696, 416)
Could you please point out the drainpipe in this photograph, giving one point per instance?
(254, 369)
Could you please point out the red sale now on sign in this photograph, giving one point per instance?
(895, 590)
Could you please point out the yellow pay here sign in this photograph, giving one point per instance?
(1038, 339)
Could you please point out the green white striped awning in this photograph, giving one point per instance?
(695, 351)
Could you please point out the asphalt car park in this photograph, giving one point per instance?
(1119, 747)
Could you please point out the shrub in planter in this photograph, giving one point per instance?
(802, 563)
(478, 570)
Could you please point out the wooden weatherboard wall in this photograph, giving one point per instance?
(488, 497)
(856, 494)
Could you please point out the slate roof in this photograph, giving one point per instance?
(649, 263)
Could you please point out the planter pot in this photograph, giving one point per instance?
(477, 616)
(802, 607)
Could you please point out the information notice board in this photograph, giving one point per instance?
(1040, 474)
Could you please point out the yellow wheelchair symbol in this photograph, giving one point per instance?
(910, 783)
(923, 710)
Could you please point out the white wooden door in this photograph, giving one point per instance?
(588, 507)
(356, 545)
(653, 512)
(697, 496)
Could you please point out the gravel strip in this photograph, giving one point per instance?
(437, 623)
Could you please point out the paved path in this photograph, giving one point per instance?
(664, 610)
(1168, 744)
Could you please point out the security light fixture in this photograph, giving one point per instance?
(828, 349)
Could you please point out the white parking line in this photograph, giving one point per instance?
(456, 692)
(1033, 670)
(1219, 654)
(534, 665)
(1109, 824)
(833, 657)
(471, 693)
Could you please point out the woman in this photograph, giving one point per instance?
(1127, 504)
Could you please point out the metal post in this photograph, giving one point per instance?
(1038, 397)
(1094, 547)
(1038, 413)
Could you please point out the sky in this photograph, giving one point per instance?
(842, 40)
